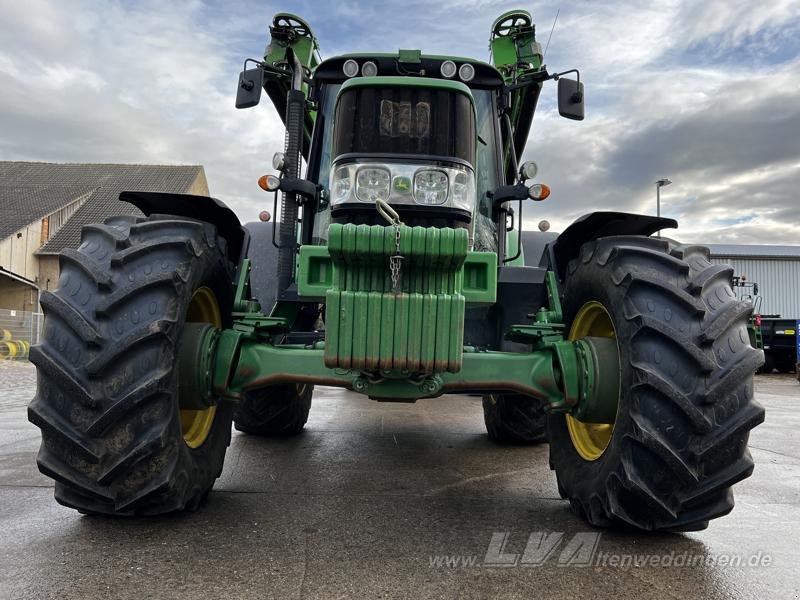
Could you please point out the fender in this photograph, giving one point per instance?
(201, 208)
(263, 257)
(597, 225)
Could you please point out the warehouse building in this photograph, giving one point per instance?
(776, 270)
(43, 207)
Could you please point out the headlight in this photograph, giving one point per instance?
(462, 189)
(372, 184)
(350, 68)
(369, 69)
(430, 186)
(404, 184)
(466, 72)
(448, 69)
(341, 184)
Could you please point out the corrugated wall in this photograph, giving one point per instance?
(778, 282)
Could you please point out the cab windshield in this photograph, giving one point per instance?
(405, 120)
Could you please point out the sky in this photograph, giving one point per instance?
(703, 92)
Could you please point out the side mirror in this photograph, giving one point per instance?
(249, 91)
(570, 99)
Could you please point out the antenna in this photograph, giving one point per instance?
(551, 33)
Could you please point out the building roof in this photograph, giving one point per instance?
(753, 251)
(21, 205)
(32, 190)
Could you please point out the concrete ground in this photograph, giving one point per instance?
(380, 500)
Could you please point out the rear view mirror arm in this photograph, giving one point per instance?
(267, 68)
(577, 96)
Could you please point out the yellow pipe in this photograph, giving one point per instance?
(8, 349)
(11, 349)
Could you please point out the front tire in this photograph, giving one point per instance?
(685, 408)
(114, 436)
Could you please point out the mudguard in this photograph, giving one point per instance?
(534, 246)
(202, 208)
(598, 225)
(263, 257)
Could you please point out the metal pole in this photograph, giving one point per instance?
(658, 205)
(658, 200)
(659, 184)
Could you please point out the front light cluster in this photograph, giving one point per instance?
(466, 72)
(350, 68)
(451, 186)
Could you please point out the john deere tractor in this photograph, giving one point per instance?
(398, 270)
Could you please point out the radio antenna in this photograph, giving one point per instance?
(551, 33)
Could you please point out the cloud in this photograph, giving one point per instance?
(728, 136)
(149, 83)
(704, 93)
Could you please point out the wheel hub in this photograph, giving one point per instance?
(194, 363)
(591, 422)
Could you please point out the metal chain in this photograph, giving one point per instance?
(396, 260)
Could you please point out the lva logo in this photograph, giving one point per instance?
(575, 551)
(581, 549)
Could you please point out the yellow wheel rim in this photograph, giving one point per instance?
(591, 439)
(196, 424)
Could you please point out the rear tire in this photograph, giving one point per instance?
(113, 435)
(279, 410)
(515, 419)
(686, 404)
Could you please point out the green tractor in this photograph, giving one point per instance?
(398, 270)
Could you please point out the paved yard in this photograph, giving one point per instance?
(389, 500)
(17, 383)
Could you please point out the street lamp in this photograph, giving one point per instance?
(659, 184)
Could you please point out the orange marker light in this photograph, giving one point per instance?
(269, 183)
(538, 191)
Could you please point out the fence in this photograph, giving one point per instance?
(18, 330)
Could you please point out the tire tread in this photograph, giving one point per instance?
(106, 400)
(672, 475)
